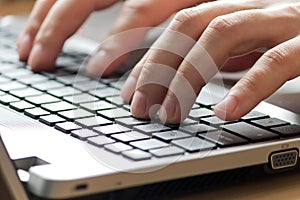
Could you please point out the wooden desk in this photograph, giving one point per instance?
(285, 186)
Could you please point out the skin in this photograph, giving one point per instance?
(228, 32)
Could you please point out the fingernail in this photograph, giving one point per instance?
(24, 46)
(37, 54)
(128, 88)
(226, 107)
(97, 64)
(139, 105)
(169, 113)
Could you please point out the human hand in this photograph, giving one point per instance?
(221, 30)
(52, 22)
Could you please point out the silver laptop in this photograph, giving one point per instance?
(70, 135)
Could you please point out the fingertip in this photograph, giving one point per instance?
(41, 59)
(24, 45)
(139, 105)
(227, 108)
(128, 89)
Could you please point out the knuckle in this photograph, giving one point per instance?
(140, 8)
(220, 25)
(276, 56)
(183, 18)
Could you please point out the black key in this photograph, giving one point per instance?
(7, 99)
(197, 128)
(48, 85)
(100, 141)
(151, 128)
(80, 98)
(223, 138)
(114, 113)
(111, 129)
(83, 134)
(67, 127)
(171, 135)
(21, 106)
(98, 105)
(117, 147)
(42, 99)
(51, 120)
(57, 107)
(214, 120)
(201, 112)
(36, 112)
(89, 85)
(270, 122)
(149, 144)
(106, 92)
(13, 85)
(26, 92)
(194, 144)
(93, 121)
(136, 154)
(75, 114)
(288, 130)
(130, 121)
(167, 151)
(33, 78)
(130, 136)
(74, 78)
(65, 91)
(250, 132)
(254, 115)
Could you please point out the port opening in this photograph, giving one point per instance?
(81, 187)
(284, 159)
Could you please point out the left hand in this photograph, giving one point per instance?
(222, 30)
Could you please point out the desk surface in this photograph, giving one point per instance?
(285, 186)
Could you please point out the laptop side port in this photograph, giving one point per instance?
(284, 159)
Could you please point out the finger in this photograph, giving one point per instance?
(237, 25)
(36, 18)
(174, 44)
(272, 70)
(64, 18)
(139, 17)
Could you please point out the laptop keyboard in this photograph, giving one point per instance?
(92, 111)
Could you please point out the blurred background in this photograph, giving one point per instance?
(10, 7)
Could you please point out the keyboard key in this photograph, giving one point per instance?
(80, 98)
(207, 99)
(201, 112)
(130, 136)
(93, 121)
(42, 99)
(83, 134)
(151, 128)
(114, 113)
(167, 151)
(254, 115)
(51, 120)
(148, 144)
(197, 128)
(117, 147)
(75, 114)
(87, 86)
(100, 141)
(194, 144)
(214, 120)
(252, 133)
(13, 85)
(171, 135)
(223, 138)
(118, 84)
(48, 85)
(57, 107)
(26, 92)
(4, 80)
(67, 127)
(74, 78)
(131, 121)
(98, 105)
(111, 129)
(106, 92)
(7, 99)
(36, 112)
(62, 92)
(288, 130)
(20, 73)
(136, 154)
(21, 106)
(269, 122)
(117, 100)
(33, 78)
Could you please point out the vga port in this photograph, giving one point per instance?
(284, 159)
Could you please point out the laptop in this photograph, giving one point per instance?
(67, 135)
